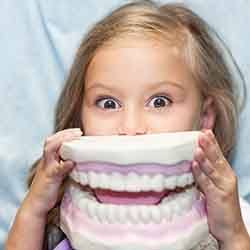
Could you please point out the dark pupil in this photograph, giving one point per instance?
(109, 104)
(159, 102)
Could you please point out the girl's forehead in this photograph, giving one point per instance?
(138, 61)
(135, 54)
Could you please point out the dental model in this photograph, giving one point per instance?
(133, 192)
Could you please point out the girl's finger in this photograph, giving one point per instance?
(60, 170)
(62, 133)
(210, 171)
(53, 145)
(213, 152)
(204, 183)
(210, 146)
(220, 176)
(54, 142)
(213, 174)
(67, 167)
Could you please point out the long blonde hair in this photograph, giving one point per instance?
(175, 23)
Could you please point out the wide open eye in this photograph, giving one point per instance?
(159, 101)
(107, 103)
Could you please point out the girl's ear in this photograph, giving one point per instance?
(208, 114)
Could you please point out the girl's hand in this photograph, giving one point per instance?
(218, 183)
(50, 172)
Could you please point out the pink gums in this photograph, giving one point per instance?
(146, 198)
(72, 216)
(149, 168)
(133, 198)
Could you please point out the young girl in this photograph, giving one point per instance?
(145, 68)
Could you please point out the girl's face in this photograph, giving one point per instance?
(140, 87)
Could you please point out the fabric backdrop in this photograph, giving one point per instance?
(37, 41)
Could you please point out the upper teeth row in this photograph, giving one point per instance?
(169, 208)
(132, 182)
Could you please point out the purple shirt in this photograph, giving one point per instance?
(63, 245)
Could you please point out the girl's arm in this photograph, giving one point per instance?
(28, 228)
(27, 231)
(218, 183)
(240, 242)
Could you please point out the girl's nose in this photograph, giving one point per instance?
(132, 123)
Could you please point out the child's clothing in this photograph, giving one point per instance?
(63, 245)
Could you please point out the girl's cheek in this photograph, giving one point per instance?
(169, 123)
(100, 122)
(96, 124)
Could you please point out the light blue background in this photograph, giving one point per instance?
(37, 43)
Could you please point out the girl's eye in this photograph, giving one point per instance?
(160, 101)
(107, 103)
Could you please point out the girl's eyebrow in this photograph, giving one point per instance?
(160, 84)
(102, 86)
(98, 85)
(153, 85)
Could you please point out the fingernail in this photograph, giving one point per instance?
(194, 164)
(78, 131)
(196, 168)
(204, 139)
(209, 133)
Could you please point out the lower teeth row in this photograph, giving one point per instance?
(170, 207)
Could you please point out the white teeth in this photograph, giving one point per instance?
(104, 180)
(111, 214)
(93, 179)
(86, 195)
(91, 209)
(132, 182)
(180, 180)
(117, 183)
(173, 206)
(101, 213)
(156, 214)
(75, 175)
(170, 182)
(185, 201)
(157, 183)
(122, 214)
(133, 214)
(190, 179)
(144, 215)
(170, 207)
(185, 179)
(83, 179)
(178, 209)
(166, 212)
(145, 179)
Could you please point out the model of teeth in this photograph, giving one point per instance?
(133, 192)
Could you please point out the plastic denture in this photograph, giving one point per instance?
(133, 192)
